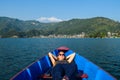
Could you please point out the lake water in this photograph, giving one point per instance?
(16, 54)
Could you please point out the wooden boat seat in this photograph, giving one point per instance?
(47, 76)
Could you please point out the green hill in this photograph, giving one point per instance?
(93, 27)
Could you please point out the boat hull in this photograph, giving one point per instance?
(39, 67)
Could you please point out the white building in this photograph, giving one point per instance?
(109, 34)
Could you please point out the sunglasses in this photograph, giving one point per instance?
(61, 54)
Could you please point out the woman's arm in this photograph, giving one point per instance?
(52, 58)
(70, 57)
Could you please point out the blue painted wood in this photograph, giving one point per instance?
(24, 75)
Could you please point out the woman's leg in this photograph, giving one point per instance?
(71, 70)
(57, 72)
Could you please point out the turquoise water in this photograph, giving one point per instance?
(16, 54)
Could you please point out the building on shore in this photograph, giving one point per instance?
(109, 34)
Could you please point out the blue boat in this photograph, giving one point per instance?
(42, 65)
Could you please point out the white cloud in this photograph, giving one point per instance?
(49, 19)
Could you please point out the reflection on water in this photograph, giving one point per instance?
(16, 54)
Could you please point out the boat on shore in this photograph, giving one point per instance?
(38, 68)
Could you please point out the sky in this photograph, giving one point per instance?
(59, 10)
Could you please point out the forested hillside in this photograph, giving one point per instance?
(92, 27)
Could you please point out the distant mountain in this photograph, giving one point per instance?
(10, 23)
(93, 27)
(76, 26)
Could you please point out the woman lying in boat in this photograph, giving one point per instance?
(64, 68)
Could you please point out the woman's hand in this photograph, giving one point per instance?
(49, 54)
